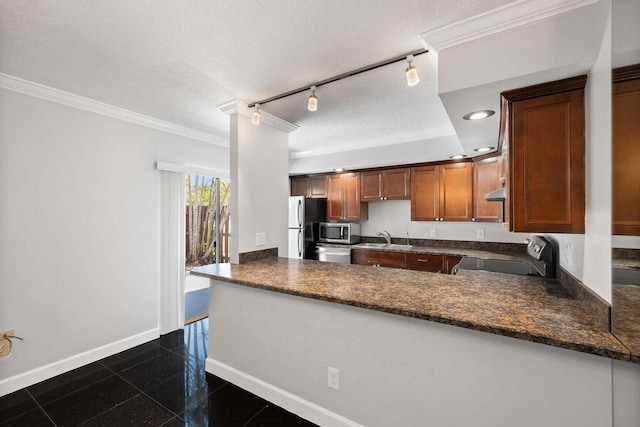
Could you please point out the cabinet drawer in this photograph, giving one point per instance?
(424, 262)
(380, 258)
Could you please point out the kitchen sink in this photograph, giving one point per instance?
(384, 246)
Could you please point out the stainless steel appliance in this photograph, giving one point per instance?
(340, 254)
(340, 232)
(305, 216)
(539, 261)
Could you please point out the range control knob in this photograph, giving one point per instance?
(527, 241)
(537, 248)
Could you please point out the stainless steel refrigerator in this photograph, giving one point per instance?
(304, 217)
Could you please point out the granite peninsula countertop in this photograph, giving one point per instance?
(523, 307)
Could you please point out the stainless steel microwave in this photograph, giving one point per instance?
(339, 232)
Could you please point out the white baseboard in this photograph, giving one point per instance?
(292, 403)
(34, 376)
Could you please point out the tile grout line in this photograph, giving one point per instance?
(255, 415)
(107, 410)
(41, 408)
(140, 391)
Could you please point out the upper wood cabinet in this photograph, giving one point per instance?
(625, 115)
(486, 177)
(442, 192)
(546, 150)
(388, 184)
(314, 187)
(343, 198)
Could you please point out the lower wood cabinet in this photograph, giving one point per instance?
(424, 262)
(378, 258)
(411, 261)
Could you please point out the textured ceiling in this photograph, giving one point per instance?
(177, 60)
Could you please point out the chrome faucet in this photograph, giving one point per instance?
(386, 235)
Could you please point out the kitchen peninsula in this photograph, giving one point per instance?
(278, 324)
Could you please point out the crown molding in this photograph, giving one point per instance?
(45, 92)
(510, 16)
(239, 107)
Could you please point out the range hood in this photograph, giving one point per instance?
(496, 195)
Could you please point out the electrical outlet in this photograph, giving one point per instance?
(432, 232)
(261, 239)
(480, 233)
(5, 346)
(333, 378)
(569, 254)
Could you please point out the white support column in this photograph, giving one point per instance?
(259, 169)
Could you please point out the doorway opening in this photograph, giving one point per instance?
(206, 237)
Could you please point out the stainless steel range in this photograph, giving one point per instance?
(538, 262)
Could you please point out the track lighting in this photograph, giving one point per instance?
(411, 73)
(312, 103)
(255, 117)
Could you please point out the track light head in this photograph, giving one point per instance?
(256, 116)
(312, 103)
(411, 73)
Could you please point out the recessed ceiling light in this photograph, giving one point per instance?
(458, 156)
(477, 115)
(339, 169)
(484, 149)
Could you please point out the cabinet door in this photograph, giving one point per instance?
(424, 262)
(486, 178)
(378, 258)
(351, 209)
(424, 193)
(448, 262)
(317, 187)
(299, 187)
(626, 158)
(456, 196)
(371, 186)
(396, 184)
(334, 197)
(547, 152)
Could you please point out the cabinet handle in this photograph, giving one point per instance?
(473, 219)
(422, 260)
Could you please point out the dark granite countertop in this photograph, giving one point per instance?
(523, 307)
(625, 320)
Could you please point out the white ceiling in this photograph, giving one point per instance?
(176, 61)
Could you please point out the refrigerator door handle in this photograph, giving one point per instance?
(299, 240)
(300, 213)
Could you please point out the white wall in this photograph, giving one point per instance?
(397, 370)
(626, 394)
(594, 269)
(259, 186)
(395, 216)
(564, 40)
(405, 153)
(79, 231)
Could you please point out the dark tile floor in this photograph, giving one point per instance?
(160, 383)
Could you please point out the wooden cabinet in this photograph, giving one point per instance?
(388, 184)
(343, 198)
(442, 192)
(431, 263)
(448, 262)
(486, 177)
(424, 262)
(378, 258)
(313, 187)
(625, 116)
(546, 150)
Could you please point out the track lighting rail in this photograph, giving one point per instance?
(341, 76)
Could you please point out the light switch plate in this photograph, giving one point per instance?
(480, 233)
(261, 239)
(432, 232)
